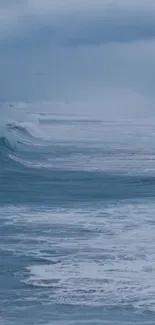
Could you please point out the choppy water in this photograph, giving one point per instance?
(77, 220)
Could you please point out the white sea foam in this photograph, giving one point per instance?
(103, 256)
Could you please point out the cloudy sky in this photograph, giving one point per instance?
(76, 49)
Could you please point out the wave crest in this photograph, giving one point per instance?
(27, 129)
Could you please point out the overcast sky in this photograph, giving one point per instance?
(76, 49)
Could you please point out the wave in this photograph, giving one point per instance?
(6, 144)
(14, 133)
(28, 129)
(7, 139)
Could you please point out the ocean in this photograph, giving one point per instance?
(77, 217)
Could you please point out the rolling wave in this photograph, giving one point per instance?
(27, 129)
(14, 134)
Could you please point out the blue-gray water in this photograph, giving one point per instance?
(77, 220)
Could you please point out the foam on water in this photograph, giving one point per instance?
(103, 256)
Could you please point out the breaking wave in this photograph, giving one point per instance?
(14, 134)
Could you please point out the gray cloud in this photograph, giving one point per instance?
(73, 50)
(76, 23)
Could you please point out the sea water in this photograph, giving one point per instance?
(77, 217)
